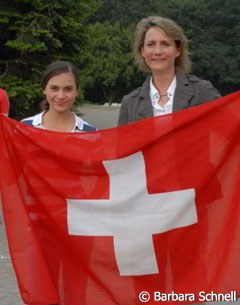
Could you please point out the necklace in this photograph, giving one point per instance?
(163, 94)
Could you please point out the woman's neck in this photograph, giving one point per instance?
(162, 81)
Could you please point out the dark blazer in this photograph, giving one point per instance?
(190, 91)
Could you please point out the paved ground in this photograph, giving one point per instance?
(100, 116)
(9, 294)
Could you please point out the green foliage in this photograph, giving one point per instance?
(107, 60)
(217, 53)
(212, 26)
(97, 36)
(20, 93)
(126, 12)
(33, 34)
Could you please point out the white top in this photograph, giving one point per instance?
(155, 96)
(80, 124)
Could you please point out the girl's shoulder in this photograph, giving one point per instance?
(35, 120)
(81, 125)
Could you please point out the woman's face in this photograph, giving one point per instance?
(61, 91)
(159, 51)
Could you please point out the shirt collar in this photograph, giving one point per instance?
(78, 122)
(38, 121)
(153, 91)
(154, 94)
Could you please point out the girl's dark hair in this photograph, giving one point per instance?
(54, 69)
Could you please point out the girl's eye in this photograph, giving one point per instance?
(54, 88)
(68, 89)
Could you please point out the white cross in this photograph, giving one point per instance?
(131, 215)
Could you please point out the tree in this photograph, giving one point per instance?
(218, 53)
(97, 36)
(34, 33)
(125, 12)
(212, 26)
(107, 61)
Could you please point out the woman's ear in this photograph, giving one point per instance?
(179, 51)
(142, 52)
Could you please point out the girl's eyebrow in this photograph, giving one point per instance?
(55, 86)
(166, 39)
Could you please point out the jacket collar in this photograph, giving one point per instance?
(145, 105)
(145, 89)
(183, 94)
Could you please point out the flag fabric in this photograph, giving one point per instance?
(146, 212)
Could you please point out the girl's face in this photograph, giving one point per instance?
(159, 51)
(61, 91)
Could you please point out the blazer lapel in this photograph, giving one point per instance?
(182, 96)
(145, 105)
(183, 93)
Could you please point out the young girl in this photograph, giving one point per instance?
(60, 86)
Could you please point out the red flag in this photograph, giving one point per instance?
(114, 217)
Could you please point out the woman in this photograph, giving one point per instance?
(4, 102)
(60, 86)
(161, 49)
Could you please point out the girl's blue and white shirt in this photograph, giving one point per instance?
(80, 124)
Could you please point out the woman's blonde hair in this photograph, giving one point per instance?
(171, 29)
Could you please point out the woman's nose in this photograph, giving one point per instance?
(158, 49)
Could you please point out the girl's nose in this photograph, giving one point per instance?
(61, 94)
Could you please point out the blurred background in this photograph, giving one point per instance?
(96, 35)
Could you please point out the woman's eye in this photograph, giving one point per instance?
(168, 43)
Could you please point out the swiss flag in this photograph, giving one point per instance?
(112, 217)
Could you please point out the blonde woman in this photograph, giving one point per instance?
(161, 49)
